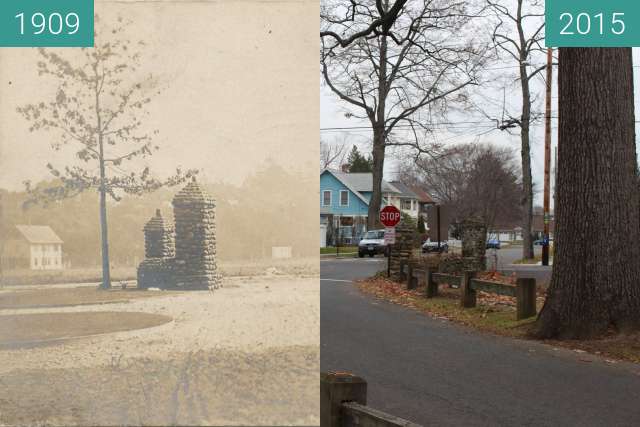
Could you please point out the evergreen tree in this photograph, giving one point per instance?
(421, 228)
(357, 162)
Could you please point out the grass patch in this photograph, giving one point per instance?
(534, 260)
(57, 297)
(332, 250)
(493, 313)
(76, 275)
(20, 329)
(294, 266)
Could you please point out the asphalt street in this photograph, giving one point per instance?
(433, 372)
(505, 257)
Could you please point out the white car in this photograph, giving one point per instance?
(372, 243)
(431, 246)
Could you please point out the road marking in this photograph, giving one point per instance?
(336, 280)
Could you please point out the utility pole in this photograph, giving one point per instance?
(547, 160)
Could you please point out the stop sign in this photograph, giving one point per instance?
(390, 216)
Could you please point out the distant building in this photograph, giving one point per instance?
(34, 247)
(344, 204)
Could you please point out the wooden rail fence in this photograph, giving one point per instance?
(524, 290)
(343, 403)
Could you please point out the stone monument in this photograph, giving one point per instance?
(183, 257)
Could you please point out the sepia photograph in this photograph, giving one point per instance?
(157, 192)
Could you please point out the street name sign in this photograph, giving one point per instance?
(390, 236)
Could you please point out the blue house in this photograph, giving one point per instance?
(344, 204)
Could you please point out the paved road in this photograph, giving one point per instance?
(508, 255)
(437, 373)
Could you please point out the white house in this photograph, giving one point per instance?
(36, 247)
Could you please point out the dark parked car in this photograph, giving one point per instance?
(493, 244)
(372, 243)
(540, 242)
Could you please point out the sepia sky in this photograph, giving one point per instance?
(239, 83)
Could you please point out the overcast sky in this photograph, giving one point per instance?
(332, 116)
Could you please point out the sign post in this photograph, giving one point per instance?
(389, 217)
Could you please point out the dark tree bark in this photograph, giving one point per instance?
(595, 285)
(378, 154)
(525, 153)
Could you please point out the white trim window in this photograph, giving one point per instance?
(344, 197)
(326, 198)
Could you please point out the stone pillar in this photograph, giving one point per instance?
(195, 239)
(474, 244)
(158, 238)
(156, 269)
(407, 239)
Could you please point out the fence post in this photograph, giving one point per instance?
(432, 287)
(468, 295)
(525, 298)
(412, 282)
(335, 389)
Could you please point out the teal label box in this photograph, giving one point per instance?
(46, 23)
(592, 23)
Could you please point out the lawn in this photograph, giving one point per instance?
(332, 250)
(17, 330)
(290, 266)
(59, 297)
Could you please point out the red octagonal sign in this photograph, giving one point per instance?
(390, 216)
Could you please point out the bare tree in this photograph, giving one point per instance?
(400, 84)
(98, 109)
(518, 35)
(381, 23)
(473, 181)
(331, 155)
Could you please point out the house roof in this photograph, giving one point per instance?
(361, 181)
(38, 234)
(405, 190)
(422, 195)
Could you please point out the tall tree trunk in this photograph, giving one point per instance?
(104, 235)
(379, 138)
(373, 219)
(595, 283)
(527, 180)
(525, 146)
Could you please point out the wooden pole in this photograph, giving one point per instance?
(547, 159)
(525, 298)
(336, 388)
